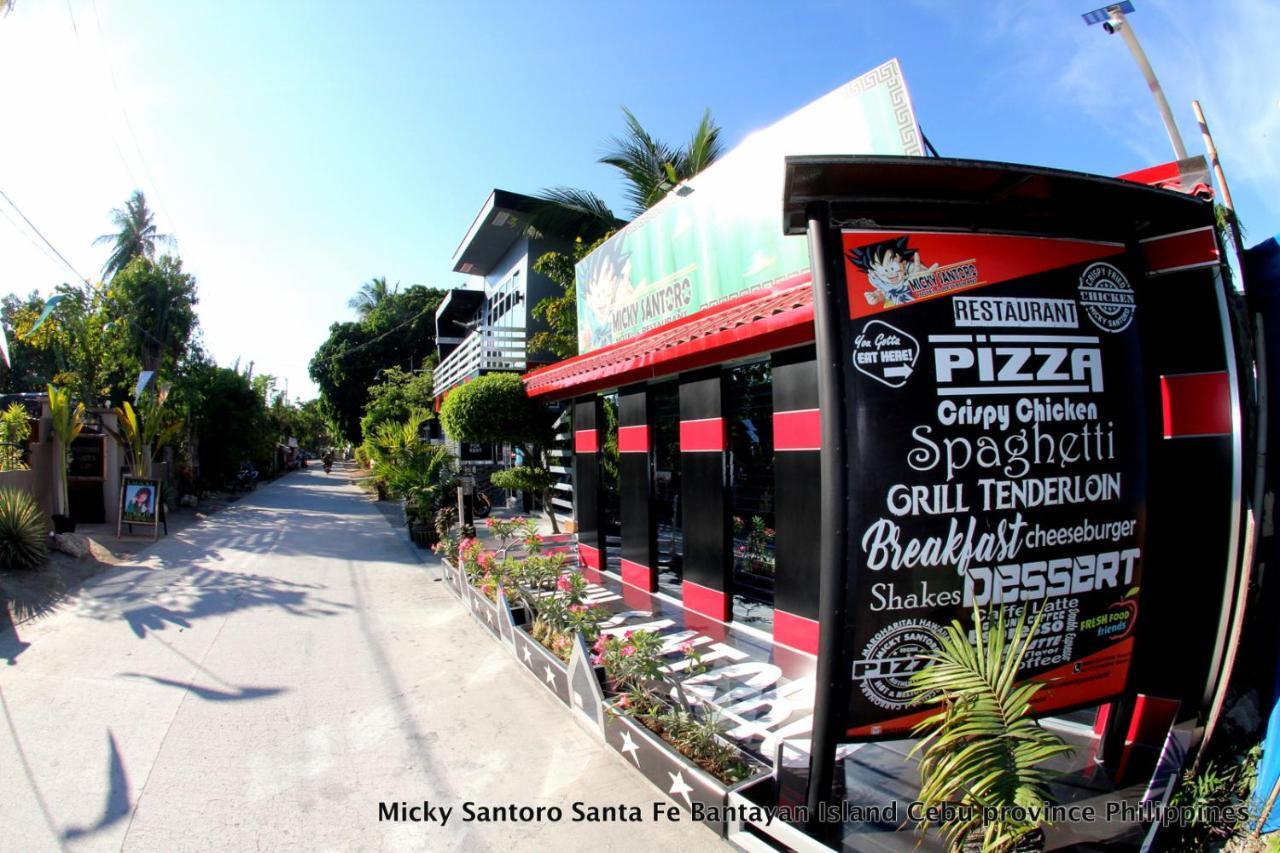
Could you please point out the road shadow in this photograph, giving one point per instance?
(117, 805)
(210, 694)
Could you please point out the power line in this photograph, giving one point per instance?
(32, 240)
(127, 122)
(114, 142)
(33, 227)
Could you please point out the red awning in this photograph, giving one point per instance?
(763, 320)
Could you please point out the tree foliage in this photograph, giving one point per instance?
(136, 235)
(494, 408)
(400, 330)
(155, 300)
(396, 397)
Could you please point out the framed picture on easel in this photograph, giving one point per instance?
(139, 505)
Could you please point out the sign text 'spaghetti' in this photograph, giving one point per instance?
(998, 432)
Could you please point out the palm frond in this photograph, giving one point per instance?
(981, 747)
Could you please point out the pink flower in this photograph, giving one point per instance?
(489, 523)
(577, 608)
(597, 659)
(627, 636)
(564, 584)
(628, 651)
(625, 701)
(598, 647)
(686, 648)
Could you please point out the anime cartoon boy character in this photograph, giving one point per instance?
(891, 266)
(606, 285)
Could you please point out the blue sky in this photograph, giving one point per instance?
(296, 149)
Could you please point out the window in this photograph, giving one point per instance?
(665, 400)
(749, 420)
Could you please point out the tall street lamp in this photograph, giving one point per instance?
(1113, 21)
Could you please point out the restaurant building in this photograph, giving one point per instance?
(876, 390)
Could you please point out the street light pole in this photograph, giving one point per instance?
(1118, 23)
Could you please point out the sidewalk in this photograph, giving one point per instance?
(267, 679)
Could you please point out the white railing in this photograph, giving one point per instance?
(500, 348)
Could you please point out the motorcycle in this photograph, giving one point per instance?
(245, 479)
(328, 465)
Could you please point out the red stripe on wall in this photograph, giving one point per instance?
(586, 441)
(1152, 718)
(705, 600)
(640, 576)
(1170, 252)
(633, 439)
(797, 430)
(1196, 404)
(705, 435)
(798, 632)
(588, 556)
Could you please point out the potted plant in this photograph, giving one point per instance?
(144, 432)
(981, 750)
(677, 745)
(67, 423)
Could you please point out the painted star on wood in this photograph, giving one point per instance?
(551, 674)
(629, 745)
(679, 787)
(527, 658)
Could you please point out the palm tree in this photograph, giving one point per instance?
(371, 294)
(653, 168)
(136, 237)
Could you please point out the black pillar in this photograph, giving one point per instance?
(635, 463)
(797, 440)
(708, 542)
(588, 417)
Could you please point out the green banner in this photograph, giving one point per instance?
(720, 233)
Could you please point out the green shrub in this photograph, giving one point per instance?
(15, 429)
(24, 533)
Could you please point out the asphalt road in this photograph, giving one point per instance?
(264, 680)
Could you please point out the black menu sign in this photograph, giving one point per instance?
(996, 441)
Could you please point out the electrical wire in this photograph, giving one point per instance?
(32, 240)
(45, 239)
(155, 186)
(114, 142)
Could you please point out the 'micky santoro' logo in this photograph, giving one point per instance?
(897, 274)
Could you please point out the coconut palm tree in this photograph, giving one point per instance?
(136, 235)
(372, 293)
(652, 168)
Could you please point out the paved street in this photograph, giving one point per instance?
(263, 680)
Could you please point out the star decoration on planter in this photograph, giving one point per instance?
(577, 700)
(527, 659)
(551, 674)
(628, 745)
(488, 615)
(680, 787)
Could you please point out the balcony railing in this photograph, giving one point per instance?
(499, 348)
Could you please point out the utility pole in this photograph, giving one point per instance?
(1113, 21)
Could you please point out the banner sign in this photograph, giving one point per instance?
(721, 233)
(997, 430)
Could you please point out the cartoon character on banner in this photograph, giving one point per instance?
(608, 282)
(891, 266)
